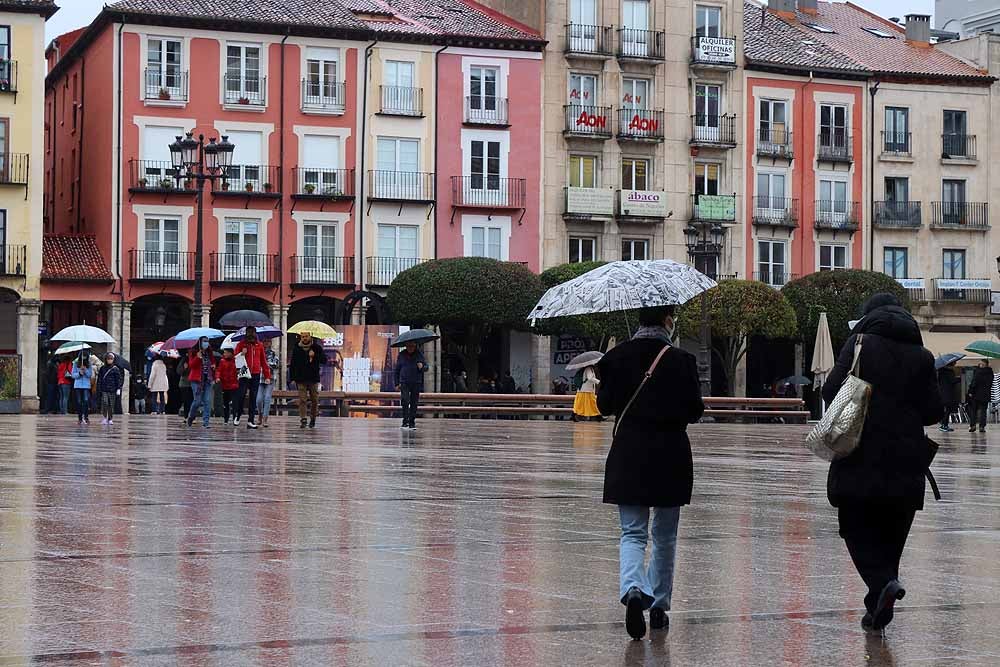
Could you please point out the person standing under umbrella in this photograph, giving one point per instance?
(948, 384)
(308, 358)
(585, 403)
(159, 385)
(410, 369)
(201, 374)
(82, 374)
(65, 372)
(257, 370)
(979, 396)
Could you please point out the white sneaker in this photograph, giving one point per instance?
(236, 422)
(251, 425)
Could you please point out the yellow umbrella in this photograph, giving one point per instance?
(314, 327)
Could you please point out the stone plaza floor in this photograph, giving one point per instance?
(466, 543)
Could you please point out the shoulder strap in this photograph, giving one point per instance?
(642, 384)
(857, 354)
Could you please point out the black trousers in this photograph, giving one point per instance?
(980, 410)
(409, 397)
(875, 538)
(248, 386)
(227, 402)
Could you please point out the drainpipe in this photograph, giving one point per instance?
(871, 179)
(437, 143)
(79, 154)
(359, 222)
(281, 176)
(118, 196)
(55, 159)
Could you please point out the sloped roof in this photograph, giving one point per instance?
(73, 257)
(44, 7)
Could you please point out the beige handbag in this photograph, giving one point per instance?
(838, 433)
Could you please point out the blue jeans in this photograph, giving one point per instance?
(64, 390)
(657, 580)
(203, 399)
(264, 398)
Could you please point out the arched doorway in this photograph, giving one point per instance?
(228, 304)
(322, 308)
(156, 317)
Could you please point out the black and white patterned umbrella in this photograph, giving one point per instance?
(623, 286)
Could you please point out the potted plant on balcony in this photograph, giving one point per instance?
(309, 188)
(225, 186)
(164, 94)
(249, 187)
(268, 187)
(143, 182)
(244, 100)
(167, 183)
(189, 184)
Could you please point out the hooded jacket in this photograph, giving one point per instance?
(227, 374)
(110, 378)
(255, 358)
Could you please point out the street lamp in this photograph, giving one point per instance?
(193, 160)
(704, 243)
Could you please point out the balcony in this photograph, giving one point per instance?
(775, 212)
(837, 215)
(835, 146)
(243, 268)
(642, 206)
(157, 177)
(973, 216)
(713, 52)
(168, 87)
(244, 91)
(486, 111)
(640, 45)
(897, 215)
(897, 144)
(958, 147)
(161, 266)
(401, 186)
(14, 169)
(713, 131)
(381, 271)
(14, 261)
(774, 142)
(914, 287)
(323, 184)
(250, 180)
(775, 277)
(587, 122)
(401, 101)
(322, 271)
(588, 41)
(713, 208)
(644, 125)
(962, 290)
(488, 191)
(327, 97)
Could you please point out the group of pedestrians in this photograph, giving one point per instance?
(978, 397)
(88, 381)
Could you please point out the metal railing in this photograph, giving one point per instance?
(14, 261)
(775, 277)
(776, 211)
(330, 96)
(835, 146)
(309, 270)
(640, 44)
(401, 185)
(327, 183)
(401, 100)
(14, 168)
(897, 214)
(156, 176)
(244, 90)
(588, 121)
(644, 124)
(489, 191)
(486, 111)
(774, 142)
(588, 40)
(716, 51)
(161, 265)
(916, 293)
(237, 267)
(974, 215)
(381, 271)
(713, 129)
(836, 215)
(166, 85)
(978, 296)
(960, 146)
(896, 143)
(713, 208)
(250, 179)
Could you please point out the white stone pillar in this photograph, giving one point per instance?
(541, 355)
(27, 347)
(120, 328)
(739, 383)
(432, 352)
(279, 315)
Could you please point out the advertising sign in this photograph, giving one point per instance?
(590, 122)
(962, 283)
(911, 283)
(645, 203)
(716, 207)
(591, 201)
(359, 359)
(716, 50)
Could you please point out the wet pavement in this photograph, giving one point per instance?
(466, 543)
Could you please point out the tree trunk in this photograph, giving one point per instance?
(470, 349)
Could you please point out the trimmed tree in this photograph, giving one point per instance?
(599, 327)
(468, 297)
(841, 294)
(739, 310)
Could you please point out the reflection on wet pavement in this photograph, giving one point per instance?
(466, 543)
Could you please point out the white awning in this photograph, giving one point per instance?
(942, 342)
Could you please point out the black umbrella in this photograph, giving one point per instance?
(245, 318)
(122, 363)
(417, 336)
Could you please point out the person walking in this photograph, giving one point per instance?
(979, 396)
(308, 359)
(949, 387)
(226, 372)
(266, 390)
(82, 374)
(410, 369)
(139, 393)
(184, 384)
(652, 389)
(159, 386)
(201, 375)
(879, 487)
(51, 403)
(110, 380)
(257, 370)
(585, 403)
(65, 384)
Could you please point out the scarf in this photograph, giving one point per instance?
(655, 332)
(309, 346)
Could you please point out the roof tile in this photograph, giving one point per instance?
(73, 257)
(768, 39)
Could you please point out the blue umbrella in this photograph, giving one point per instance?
(946, 359)
(263, 333)
(198, 332)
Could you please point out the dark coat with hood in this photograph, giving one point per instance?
(982, 385)
(650, 459)
(949, 386)
(887, 469)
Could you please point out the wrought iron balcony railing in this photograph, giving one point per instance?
(415, 186)
(640, 124)
(381, 271)
(775, 211)
(244, 90)
(324, 96)
(166, 85)
(635, 44)
(488, 191)
(587, 121)
(323, 183)
(161, 265)
(401, 101)
(588, 41)
(836, 215)
(481, 110)
(713, 130)
(960, 215)
(958, 146)
(897, 144)
(237, 267)
(255, 180)
(835, 146)
(322, 271)
(774, 142)
(897, 214)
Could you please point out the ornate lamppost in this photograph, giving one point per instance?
(704, 244)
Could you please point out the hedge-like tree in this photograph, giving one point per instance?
(469, 297)
(598, 327)
(841, 294)
(739, 310)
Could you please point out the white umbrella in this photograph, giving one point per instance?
(822, 353)
(84, 333)
(228, 343)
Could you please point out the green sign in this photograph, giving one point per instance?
(716, 207)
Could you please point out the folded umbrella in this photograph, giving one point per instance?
(947, 359)
(986, 348)
(245, 318)
(314, 327)
(417, 336)
(84, 333)
(584, 360)
(72, 348)
(263, 333)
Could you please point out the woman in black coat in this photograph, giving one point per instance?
(880, 486)
(649, 465)
(979, 396)
(951, 394)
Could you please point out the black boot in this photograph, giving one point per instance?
(658, 619)
(635, 621)
(312, 422)
(887, 598)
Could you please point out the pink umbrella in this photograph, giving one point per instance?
(172, 345)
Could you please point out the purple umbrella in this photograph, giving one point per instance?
(263, 333)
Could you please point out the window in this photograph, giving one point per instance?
(397, 249)
(772, 122)
(583, 26)
(582, 171)
(484, 170)
(487, 242)
(322, 89)
(156, 164)
(161, 249)
(247, 159)
(771, 192)
(635, 23)
(819, 28)
(707, 102)
(241, 260)
(398, 74)
(954, 137)
(635, 249)
(635, 93)
(583, 89)
(771, 262)
(832, 257)
(878, 32)
(5, 48)
(953, 202)
(708, 21)
(163, 67)
(582, 249)
(897, 130)
(833, 126)
(243, 74)
(832, 208)
(319, 173)
(707, 264)
(706, 178)
(897, 189)
(398, 164)
(896, 262)
(319, 253)
(953, 264)
(635, 174)
(483, 88)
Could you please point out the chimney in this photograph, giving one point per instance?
(808, 7)
(918, 29)
(784, 7)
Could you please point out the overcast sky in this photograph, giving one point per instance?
(76, 13)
